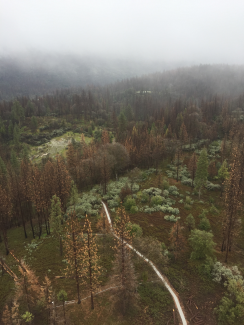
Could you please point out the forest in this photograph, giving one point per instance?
(123, 203)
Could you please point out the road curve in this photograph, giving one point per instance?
(161, 277)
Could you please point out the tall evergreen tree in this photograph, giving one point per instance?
(56, 220)
(202, 171)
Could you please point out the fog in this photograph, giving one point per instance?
(209, 31)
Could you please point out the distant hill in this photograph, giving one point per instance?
(196, 82)
(37, 73)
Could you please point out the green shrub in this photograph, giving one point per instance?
(129, 203)
(165, 185)
(134, 209)
(144, 198)
(188, 199)
(187, 206)
(231, 308)
(201, 243)
(157, 200)
(204, 224)
(171, 218)
(134, 229)
(190, 222)
(213, 210)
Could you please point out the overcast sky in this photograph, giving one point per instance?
(199, 31)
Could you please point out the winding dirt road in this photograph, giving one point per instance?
(161, 277)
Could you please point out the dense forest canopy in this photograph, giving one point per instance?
(164, 152)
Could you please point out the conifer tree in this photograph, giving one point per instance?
(192, 166)
(223, 174)
(56, 220)
(202, 171)
(90, 259)
(73, 250)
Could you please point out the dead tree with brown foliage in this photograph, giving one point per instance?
(5, 215)
(123, 264)
(90, 260)
(73, 250)
(232, 201)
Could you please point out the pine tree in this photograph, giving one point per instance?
(90, 259)
(223, 174)
(202, 171)
(192, 166)
(56, 220)
(73, 250)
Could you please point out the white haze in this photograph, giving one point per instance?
(194, 31)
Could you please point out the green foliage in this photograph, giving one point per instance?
(231, 308)
(204, 224)
(165, 185)
(134, 229)
(14, 160)
(213, 210)
(3, 169)
(223, 171)
(155, 298)
(134, 209)
(187, 206)
(34, 123)
(56, 215)
(152, 191)
(211, 187)
(223, 274)
(62, 295)
(190, 222)
(157, 200)
(202, 170)
(201, 243)
(16, 134)
(188, 199)
(144, 197)
(27, 317)
(129, 203)
(171, 218)
(73, 194)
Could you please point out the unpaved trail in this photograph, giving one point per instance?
(161, 277)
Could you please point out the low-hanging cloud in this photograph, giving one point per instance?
(207, 31)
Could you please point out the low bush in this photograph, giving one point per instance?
(157, 200)
(134, 209)
(223, 274)
(129, 203)
(204, 224)
(171, 218)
